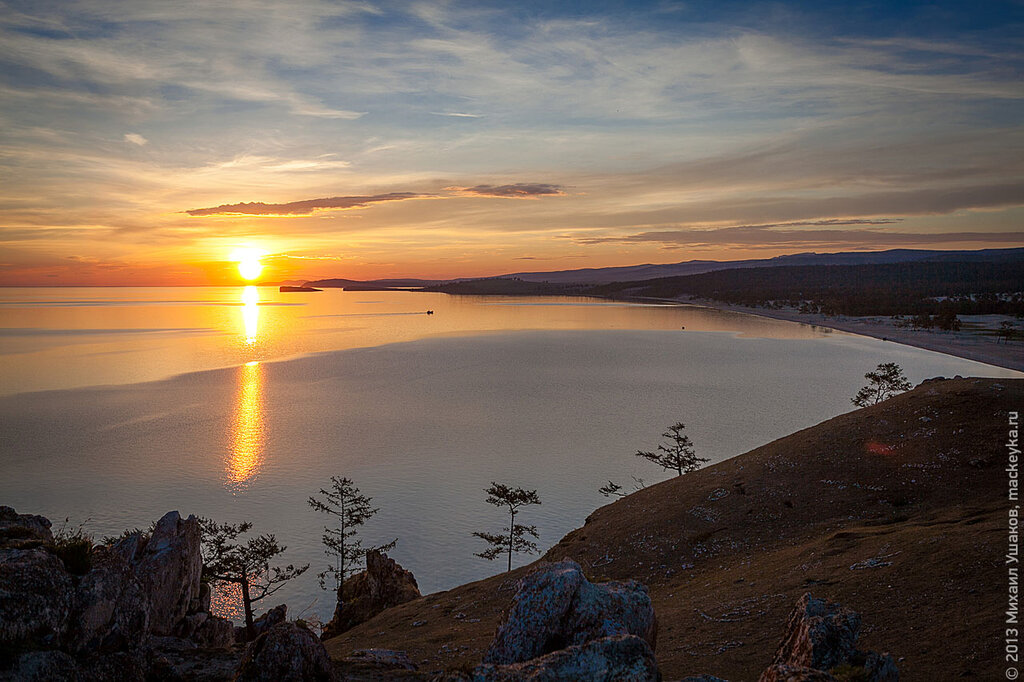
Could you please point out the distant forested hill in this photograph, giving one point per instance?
(881, 289)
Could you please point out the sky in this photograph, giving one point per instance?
(144, 141)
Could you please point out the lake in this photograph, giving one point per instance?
(119, 404)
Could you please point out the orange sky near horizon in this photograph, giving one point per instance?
(143, 143)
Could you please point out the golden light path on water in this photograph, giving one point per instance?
(247, 434)
(251, 313)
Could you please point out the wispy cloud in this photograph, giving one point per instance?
(519, 190)
(302, 208)
(455, 114)
(135, 138)
(767, 237)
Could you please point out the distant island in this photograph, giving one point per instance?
(285, 289)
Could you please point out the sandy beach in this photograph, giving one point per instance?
(976, 339)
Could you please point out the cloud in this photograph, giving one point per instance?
(135, 138)
(519, 190)
(769, 236)
(455, 114)
(300, 208)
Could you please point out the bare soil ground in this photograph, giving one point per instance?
(897, 511)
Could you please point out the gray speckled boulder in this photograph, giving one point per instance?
(285, 653)
(36, 596)
(622, 658)
(556, 607)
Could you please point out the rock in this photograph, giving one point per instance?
(820, 643)
(285, 653)
(214, 633)
(36, 597)
(380, 658)
(556, 607)
(781, 672)
(169, 568)
(43, 666)
(621, 658)
(276, 615)
(23, 531)
(382, 585)
(205, 595)
(880, 668)
(818, 635)
(111, 612)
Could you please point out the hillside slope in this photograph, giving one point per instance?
(897, 511)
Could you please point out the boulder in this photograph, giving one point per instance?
(621, 658)
(43, 666)
(557, 607)
(169, 566)
(23, 531)
(821, 639)
(286, 652)
(36, 597)
(818, 635)
(110, 612)
(214, 633)
(269, 619)
(382, 585)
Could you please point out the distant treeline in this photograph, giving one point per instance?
(961, 288)
(507, 286)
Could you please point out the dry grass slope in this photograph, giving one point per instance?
(897, 511)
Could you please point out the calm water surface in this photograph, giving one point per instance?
(238, 403)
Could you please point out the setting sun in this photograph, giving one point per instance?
(249, 265)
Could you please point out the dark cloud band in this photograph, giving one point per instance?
(297, 208)
(521, 190)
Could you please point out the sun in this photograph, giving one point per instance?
(249, 265)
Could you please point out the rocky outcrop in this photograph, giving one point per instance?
(36, 595)
(557, 607)
(563, 627)
(169, 565)
(821, 638)
(287, 652)
(23, 531)
(111, 610)
(100, 616)
(382, 585)
(621, 658)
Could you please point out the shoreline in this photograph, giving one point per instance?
(970, 343)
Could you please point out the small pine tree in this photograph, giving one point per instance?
(678, 454)
(351, 509)
(884, 382)
(1007, 330)
(516, 538)
(227, 559)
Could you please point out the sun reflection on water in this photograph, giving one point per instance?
(251, 313)
(247, 436)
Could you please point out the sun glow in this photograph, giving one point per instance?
(248, 259)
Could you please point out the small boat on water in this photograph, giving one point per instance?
(430, 312)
